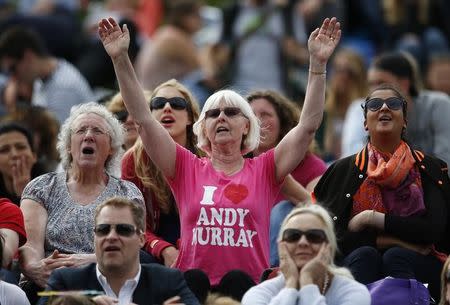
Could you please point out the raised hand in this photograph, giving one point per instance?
(324, 40)
(288, 266)
(115, 40)
(21, 173)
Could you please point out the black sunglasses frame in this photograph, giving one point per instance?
(122, 229)
(228, 111)
(121, 115)
(393, 103)
(176, 103)
(313, 236)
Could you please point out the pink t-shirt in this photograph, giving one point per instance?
(224, 219)
(310, 168)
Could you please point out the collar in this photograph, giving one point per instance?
(104, 281)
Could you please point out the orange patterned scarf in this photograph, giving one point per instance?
(393, 185)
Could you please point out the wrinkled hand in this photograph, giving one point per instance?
(170, 255)
(288, 266)
(21, 173)
(173, 301)
(360, 221)
(40, 271)
(314, 271)
(324, 40)
(115, 40)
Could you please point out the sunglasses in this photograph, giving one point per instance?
(228, 111)
(122, 229)
(314, 236)
(121, 115)
(393, 103)
(177, 103)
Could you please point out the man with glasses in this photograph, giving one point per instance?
(118, 277)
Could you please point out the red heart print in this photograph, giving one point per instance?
(236, 192)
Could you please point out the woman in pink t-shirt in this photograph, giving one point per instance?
(278, 115)
(224, 201)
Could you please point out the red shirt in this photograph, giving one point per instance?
(11, 217)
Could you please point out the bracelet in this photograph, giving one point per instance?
(317, 72)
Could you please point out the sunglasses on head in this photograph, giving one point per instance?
(177, 103)
(122, 229)
(314, 236)
(393, 103)
(121, 115)
(228, 111)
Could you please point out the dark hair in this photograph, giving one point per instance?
(71, 300)
(15, 40)
(402, 65)
(397, 93)
(14, 126)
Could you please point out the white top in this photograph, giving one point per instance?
(342, 291)
(12, 295)
(126, 291)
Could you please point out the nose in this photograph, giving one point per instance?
(303, 240)
(167, 107)
(222, 115)
(384, 107)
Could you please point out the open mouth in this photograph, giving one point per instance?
(167, 120)
(88, 151)
(112, 249)
(221, 129)
(385, 118)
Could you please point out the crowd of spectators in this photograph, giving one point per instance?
(225, 184)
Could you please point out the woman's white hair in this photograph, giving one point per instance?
(233, 99)
(115, 130)
(321, 213)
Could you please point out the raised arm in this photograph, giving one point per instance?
(157, 141)
(292, 148)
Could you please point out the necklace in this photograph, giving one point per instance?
(326, 281)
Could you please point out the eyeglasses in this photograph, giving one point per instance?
(95, 130)
(177, 103)
(121, 115)
(228, 111)
(393, 103)
(314, 236)
(122, 229)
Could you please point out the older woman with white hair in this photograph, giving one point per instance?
(58, 207)
(224, 200)
(307, 246)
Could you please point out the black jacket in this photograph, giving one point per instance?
(341, 181)
(156, 284)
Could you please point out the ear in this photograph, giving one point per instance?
(247, 128)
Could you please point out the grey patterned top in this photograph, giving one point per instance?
(70, 225)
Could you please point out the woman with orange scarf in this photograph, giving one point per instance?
(389, 201)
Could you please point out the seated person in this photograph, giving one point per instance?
(307, 246)
(12, 230)
(119, 236)
(445, 283)
(17, 160)
(58, 207)
(389, 201)
(10, 294)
